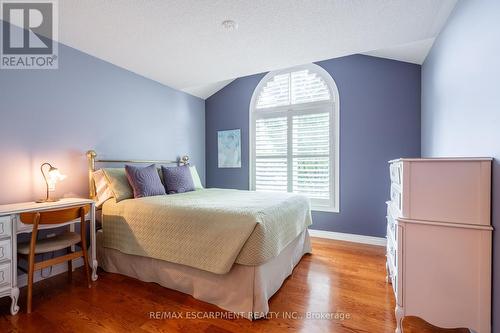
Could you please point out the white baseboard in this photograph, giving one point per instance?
(379, 241)
(22, 279)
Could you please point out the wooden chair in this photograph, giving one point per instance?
(413, 324)
(65, 240)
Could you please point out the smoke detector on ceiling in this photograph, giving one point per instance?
(230, 25)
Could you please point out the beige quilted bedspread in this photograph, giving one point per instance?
(208, 229)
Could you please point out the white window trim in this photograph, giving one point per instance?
(333, 206)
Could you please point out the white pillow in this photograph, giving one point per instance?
(196, 178)
(103, 191)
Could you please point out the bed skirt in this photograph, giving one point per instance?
(244, 290)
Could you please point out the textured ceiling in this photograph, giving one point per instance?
(182, 43)
(207, 90)
(414, 52)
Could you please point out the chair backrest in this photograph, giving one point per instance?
(412, 324)
(55, 216)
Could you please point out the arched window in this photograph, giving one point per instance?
(294, 135)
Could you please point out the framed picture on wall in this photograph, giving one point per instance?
(229, 148)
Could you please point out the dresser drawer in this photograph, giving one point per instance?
(393, 257)
(5, 275)
(395, 286)
(391, 251)
(394, 277)
(5, 224)
(5, 250)
(390, 264)
(396, 199)
(391, 230)
(391, 212)
(395, 170)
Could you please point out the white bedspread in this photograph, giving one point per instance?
(208, 229)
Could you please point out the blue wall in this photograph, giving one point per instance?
(379, 121)
(460, 100)
(56, 115)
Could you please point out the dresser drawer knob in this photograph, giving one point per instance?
(2, 252)
(1, 228)
(2, 276)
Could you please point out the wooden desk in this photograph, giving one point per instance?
(11, 226)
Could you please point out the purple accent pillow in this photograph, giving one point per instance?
(145, 181)
(177, 179)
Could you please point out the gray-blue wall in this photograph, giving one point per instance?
(461, 100)
(56, 115)
(379, 121)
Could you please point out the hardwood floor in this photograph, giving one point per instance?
(339, 277)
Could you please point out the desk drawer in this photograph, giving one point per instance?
(5, 275)
(5, 250)
(5, 226)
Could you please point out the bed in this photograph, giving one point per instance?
(230, 248)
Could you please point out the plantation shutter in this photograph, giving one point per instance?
(311, 151)
(307, 87)
(271, 154)
(293, 149)
(293, 88)
(275, 93)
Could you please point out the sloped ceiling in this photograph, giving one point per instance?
(182, 43)
(414, 52)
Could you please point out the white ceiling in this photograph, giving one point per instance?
(414, 52)
(182, 43)
(207, 90)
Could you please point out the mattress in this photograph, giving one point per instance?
(210, 229)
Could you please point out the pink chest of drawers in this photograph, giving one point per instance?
(439, 241)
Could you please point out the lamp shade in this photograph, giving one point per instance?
(52, 176)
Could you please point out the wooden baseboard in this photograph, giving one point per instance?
(22, 279)
(379, 241)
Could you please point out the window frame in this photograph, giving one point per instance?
(332, 106)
